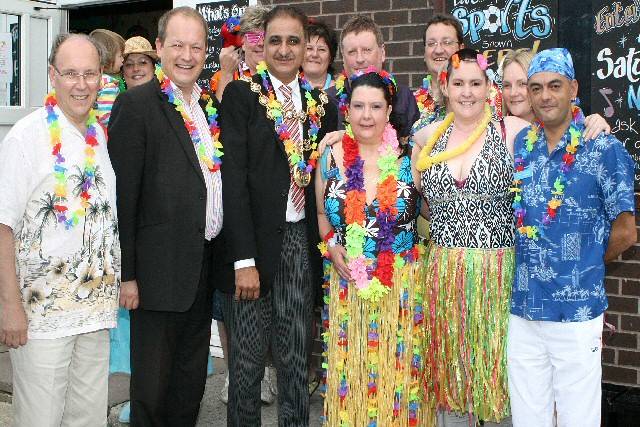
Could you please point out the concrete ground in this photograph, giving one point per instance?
(212, 412)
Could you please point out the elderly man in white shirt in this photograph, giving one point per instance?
(59, 248)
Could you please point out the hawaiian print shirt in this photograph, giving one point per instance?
(69, 278)
(560, 276)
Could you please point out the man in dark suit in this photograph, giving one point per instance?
(170, 216)
(270, 222)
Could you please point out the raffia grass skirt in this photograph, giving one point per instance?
(373, 379)
(467, 301)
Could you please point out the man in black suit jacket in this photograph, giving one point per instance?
(270, 223)
(170, 216)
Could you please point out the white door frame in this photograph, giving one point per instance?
(26, 10)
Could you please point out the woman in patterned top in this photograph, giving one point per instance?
(367, 209)
(467, 169)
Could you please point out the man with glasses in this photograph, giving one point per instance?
(59, 248)
(442, 38)
(164, 150)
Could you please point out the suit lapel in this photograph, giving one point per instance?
(177, 124)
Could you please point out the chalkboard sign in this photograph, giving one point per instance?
(216, 13)
(495, 27)
(615, 78)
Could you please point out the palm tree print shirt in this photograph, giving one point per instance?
(68, 277)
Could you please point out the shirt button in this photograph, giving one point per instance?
(201, 230)
(280, 230)
(285, 193)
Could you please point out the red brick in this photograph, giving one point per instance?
(623, 304)
(394, 17)
(408, 32)
(612, 319)
(622, 340)
(310, 8)
(626, 270)
(408, 64)
(630, 323)
(629, 358)
(397, 49)
(340, 6)
(420, 16)
(630, 287)
(619, 375)
(632, 254)
(608, 355)
(366, 5)
(612, 286)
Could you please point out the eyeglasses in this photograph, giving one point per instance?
(254, 37)
(446, 43)
(73, 77)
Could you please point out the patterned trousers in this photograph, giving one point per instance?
(282, 320)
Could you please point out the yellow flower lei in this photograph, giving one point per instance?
(426, 160)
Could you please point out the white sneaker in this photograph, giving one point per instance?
(224, 393)
(265, 388)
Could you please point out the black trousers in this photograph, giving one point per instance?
(280, 320)
(169, 354)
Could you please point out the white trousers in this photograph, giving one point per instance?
(554, 363)
(62, 381)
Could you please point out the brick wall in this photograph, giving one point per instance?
(621, 354)
(401, 21)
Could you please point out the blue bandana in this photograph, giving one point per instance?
(555, 60)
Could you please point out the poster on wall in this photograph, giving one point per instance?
(495, 27)
(216, 13)
(615, 78)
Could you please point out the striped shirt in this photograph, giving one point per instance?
(109, 91)
(213, 181)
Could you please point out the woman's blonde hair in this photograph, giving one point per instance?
(523, 58)
(112, 44)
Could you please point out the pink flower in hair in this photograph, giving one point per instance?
(482, 62)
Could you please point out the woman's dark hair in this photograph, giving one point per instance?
(388, 88)
(318, 28)
(464, 55)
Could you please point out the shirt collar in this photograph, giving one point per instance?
(195, 92)
(295, 87)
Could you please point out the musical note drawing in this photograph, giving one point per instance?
(608, 111)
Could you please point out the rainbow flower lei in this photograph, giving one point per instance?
(371, 284)
(295, 154)
(557, 194)
(66, 216)
(424, 100)
(212, 162)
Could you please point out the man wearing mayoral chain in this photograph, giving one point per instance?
(271, 127)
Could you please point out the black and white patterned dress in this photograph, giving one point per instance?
(478, 214)
(468, 277)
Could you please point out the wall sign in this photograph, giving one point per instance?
(615, 73)
(216, 13)
(495, 27)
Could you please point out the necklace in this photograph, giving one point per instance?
(557, 194)
(213, 161)
(426, 160)
(371, 283)
(300, 167)
(70, 218)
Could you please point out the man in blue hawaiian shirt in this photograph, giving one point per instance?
(574, 205)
